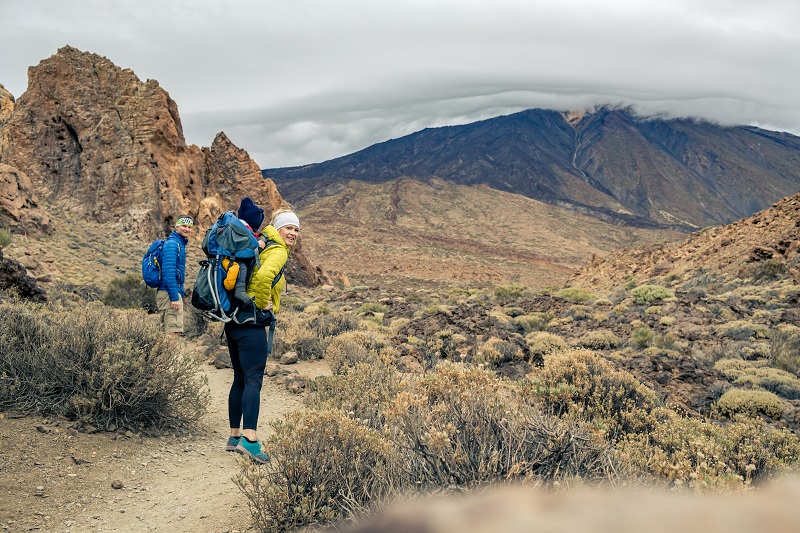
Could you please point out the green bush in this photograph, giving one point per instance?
(646, 294)
(642, 337)
(575, 295)
(580, 312)
(5, 237)
(101, 366)
(505, 294)
(371, 308)
(750, 403)
(130, 292)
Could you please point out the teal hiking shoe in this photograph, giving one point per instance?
(232, 442)
(252, 450)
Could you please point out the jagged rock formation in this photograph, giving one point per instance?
(90, 132)
(609, 163)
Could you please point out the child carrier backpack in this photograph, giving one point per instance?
(151, 264)
(228, 245)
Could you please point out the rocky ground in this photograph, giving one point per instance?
(56, 479)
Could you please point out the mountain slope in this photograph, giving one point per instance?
(678, 174)
(410, 233)
(733, 252)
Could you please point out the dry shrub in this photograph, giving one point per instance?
(348, 349)
(533, 322)
(100, 366)
(580, 312)
(784, 350)
(324, 467)
(494, 352)
(667, 320)
(333, 324)
(751, 374)
(458, 425)
(750, 403)
(461, 425)
(310, 336)
(743, 330)
(703, 456)
(768, 269)
(130, 292)
(542, 344)
(581, 383)
(602, 339)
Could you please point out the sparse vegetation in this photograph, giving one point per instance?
(768, 269)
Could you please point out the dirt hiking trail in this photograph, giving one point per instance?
(55, 479)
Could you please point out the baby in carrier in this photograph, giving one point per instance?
(252, 216)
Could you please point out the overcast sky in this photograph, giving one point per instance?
(303, 81)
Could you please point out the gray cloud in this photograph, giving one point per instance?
(304, 81)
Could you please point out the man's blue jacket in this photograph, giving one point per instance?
(173, 266)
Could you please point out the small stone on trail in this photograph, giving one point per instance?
(289, 358)
(117, 484)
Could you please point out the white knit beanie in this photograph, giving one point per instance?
(285, 219)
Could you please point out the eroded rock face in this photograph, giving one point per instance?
(19, 206)
(93, 133)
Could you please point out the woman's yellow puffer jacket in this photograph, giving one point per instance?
(272, 258)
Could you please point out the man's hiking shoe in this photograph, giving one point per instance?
(232, 442)
(252, 450)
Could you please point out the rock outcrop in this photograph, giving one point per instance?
(93, 134)
(14, 278)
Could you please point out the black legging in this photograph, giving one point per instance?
(248, 348)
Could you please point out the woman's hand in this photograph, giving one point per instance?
(268, 307)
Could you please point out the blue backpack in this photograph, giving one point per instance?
(151, 264)
(226, 241)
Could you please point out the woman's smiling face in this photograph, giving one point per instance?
(289, 234)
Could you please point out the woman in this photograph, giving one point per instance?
(250, 345)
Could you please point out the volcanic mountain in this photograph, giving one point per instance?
(677, 174)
